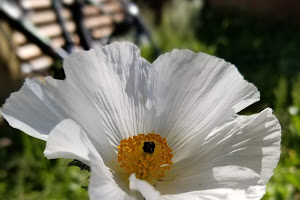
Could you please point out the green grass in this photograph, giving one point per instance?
(29, 175)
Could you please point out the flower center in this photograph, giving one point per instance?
(149, 147)
(148, 156)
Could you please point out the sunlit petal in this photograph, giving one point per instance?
(195, 93)
(68, 140)
(147, 190)
(115, 80)
(240, 154)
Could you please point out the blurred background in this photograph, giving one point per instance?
(262, 38)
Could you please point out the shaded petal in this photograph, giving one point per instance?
(241, 154)
(40, 105)
(114, 79)
(196, 93)
(28, 111)
(214, 194)
(68, 140)
(71, 103)
(147, 190)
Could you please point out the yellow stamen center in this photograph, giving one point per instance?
(148, 156)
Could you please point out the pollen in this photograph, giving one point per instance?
(148, 156)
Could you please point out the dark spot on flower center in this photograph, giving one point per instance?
(149, 147)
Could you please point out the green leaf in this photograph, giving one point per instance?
(79, 164)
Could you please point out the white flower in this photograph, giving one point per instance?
(192, 100)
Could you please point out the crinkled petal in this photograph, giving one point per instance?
(68, 140)
(114, 78)
(28, 111)
(240, 154)
(196, 93)
(147, 190)
(41, 104)
(72, 104)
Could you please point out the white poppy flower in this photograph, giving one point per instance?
(167, 130)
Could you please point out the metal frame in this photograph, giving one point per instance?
(14, 16)
(12, 13)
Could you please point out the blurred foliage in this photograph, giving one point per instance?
(29, 175)
(177, 29)
(265, 52)
(285, 183)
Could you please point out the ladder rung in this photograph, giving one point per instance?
(76, 39)
(68, 2)
(41, 63)
(35, 4)
(42, 17)
(112, 7)
(28, 51)
(99, 20)
(90, 10)
(101, 32)
(18, 38)
(57, 42)
(118, 17)
(52, 30)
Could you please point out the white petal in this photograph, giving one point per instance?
(114, 79)
(72, 104)
(196, 93)
(102, 186)
(241, 154)
(214, 194)
(68, 140)
(147, 190)
(28, 111)
(40, 105)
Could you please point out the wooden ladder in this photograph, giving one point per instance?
(59, 32)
